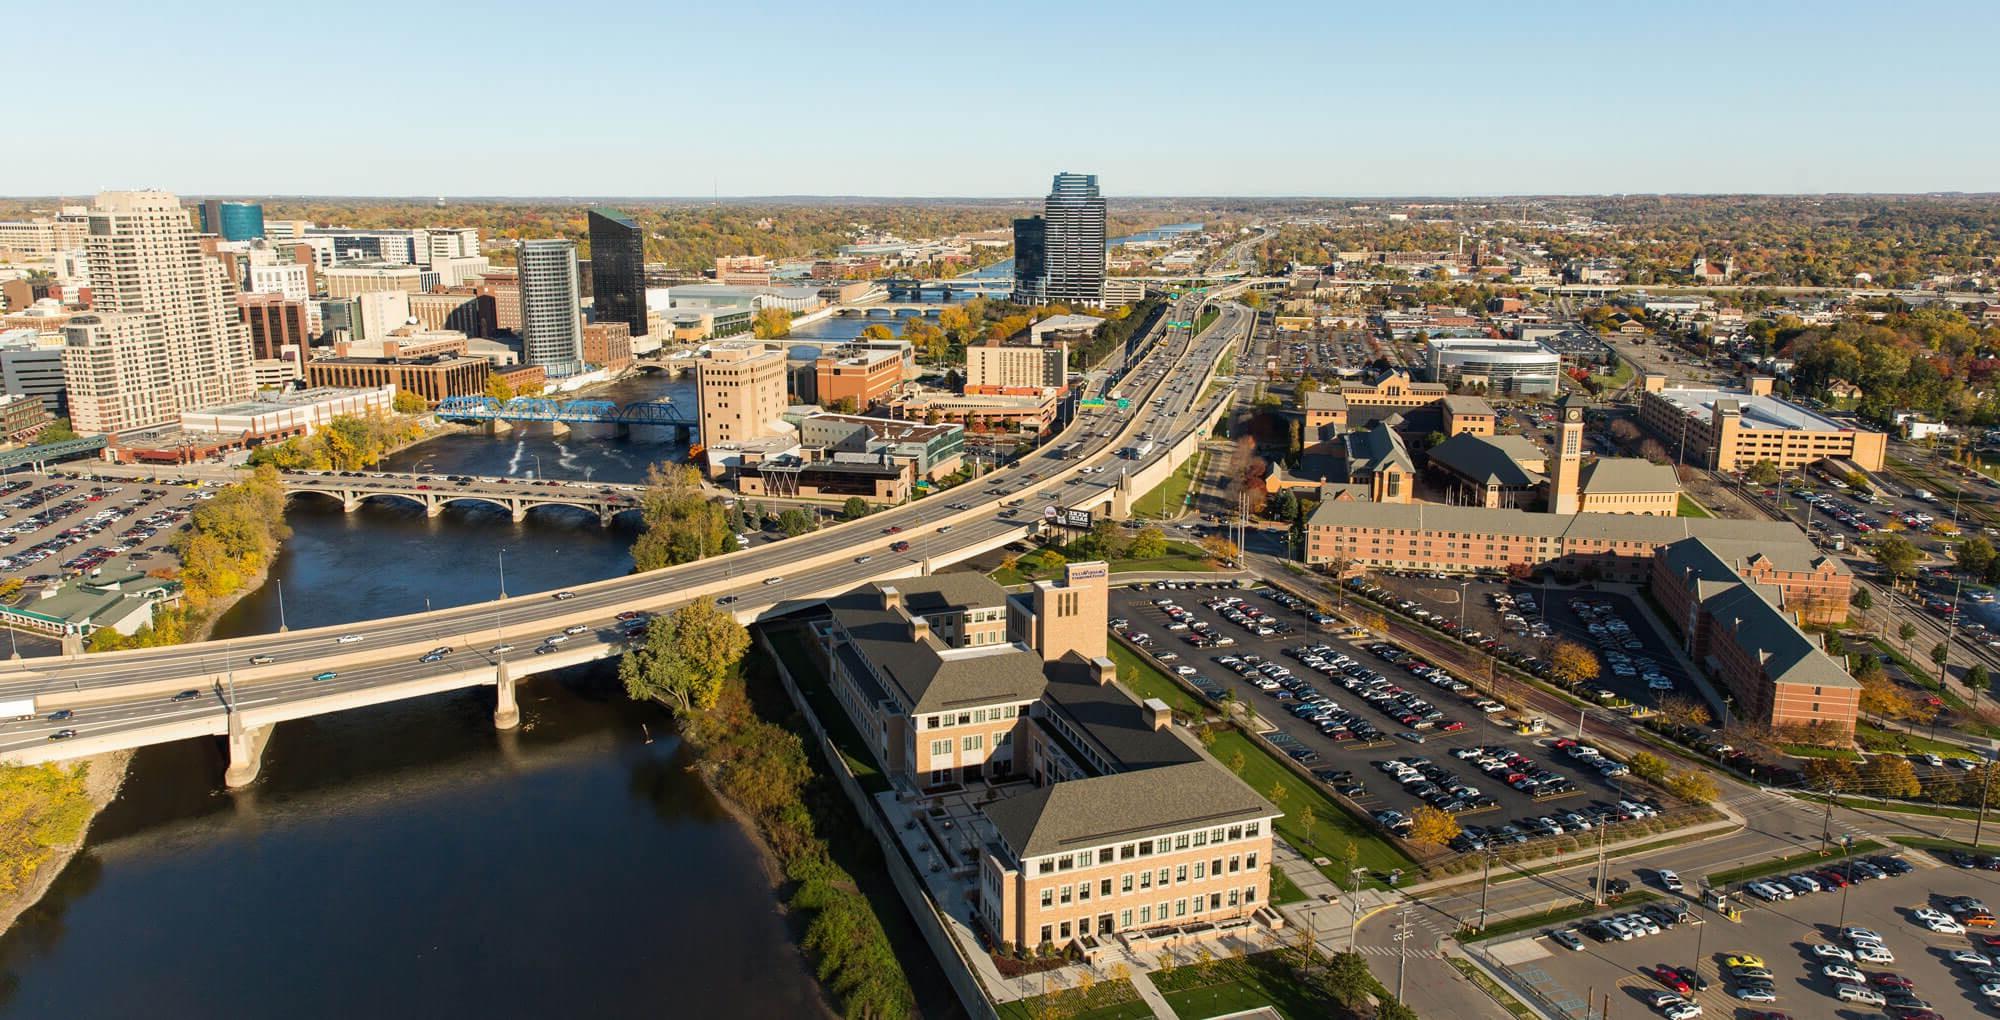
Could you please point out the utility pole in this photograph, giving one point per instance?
(1485, 882)
(1826, 824)
(1602, 862)
(1402, 947)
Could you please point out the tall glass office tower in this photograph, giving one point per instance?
(618, 269)
(551, 306)
(1074, 215)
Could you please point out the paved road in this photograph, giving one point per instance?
(769, 575)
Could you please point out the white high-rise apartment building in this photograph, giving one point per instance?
(1074, 241)
(164, 335)
(551, 306)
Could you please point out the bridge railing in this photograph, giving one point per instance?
(604, 412)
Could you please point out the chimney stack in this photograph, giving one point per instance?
(891, 597)
(1158, 715)
(1103, 670)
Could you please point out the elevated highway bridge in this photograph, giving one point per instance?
(245, 686)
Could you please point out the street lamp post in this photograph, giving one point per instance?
(1700, 929)
(503, 573)
(1847, 863)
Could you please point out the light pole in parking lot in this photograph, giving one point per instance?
(1847, 864)
(1700, 929)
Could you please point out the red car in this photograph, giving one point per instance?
(1886, 980)
(892, 529)
(1989, 941)
(899, 547)
(1667, 976)
(1450, 726)
(1832, 878)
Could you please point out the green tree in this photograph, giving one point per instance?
(1940, 652)
(1973, 555)
(58, 431)
(499, 389)
(1431, 826)
(1862, 600)
(855, 508)
(1763, 472)
(1898, 556)
(1347, 978)
(1572, 663)
(686, 656)
(794, 522)
(1904, 632)
(1148, 544)
(1978, 679)
(1829, 774)
(678, 523)
(1695, 786)
(1107, 540)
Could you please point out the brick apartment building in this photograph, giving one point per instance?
(1122, 823)
(1732, 429)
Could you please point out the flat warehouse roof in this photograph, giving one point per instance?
(1759, 412)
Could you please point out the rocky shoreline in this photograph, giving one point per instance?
(105, 778)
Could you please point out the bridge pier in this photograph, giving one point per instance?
(433, 506)
(519, 509)
(506, 712)
(349, 502)
(246, 752)
(497, 426)
(559, 429)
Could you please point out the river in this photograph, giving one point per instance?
(409, 860)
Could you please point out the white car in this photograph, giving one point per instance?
(1843, 972)
(1943, 925)
(1991, 991)
(1669, 881)
(1858, 993)
(1968, 958)
(347, 639)
(1682, 1011)
(1871, 952)
(1826, 952)
(1851, 934)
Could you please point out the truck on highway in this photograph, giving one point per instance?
(18, 709)
(1138, 451)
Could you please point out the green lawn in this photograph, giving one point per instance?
(1181, 556)
(1559, 918)
(1781, 864)
(1167, 498)
(1236, 984)
(1332, 828)
(790, 644)
(1145, 679)
(1283, 889)
(1622, 375)
(1207, 318)
(1106, 1000)
(1690, 508)
(1875, 738)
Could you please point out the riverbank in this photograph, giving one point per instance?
(103, 777)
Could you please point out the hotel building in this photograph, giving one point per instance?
(1732, 429)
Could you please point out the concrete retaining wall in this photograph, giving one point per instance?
(902, 870)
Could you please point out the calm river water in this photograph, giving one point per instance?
(408, 860)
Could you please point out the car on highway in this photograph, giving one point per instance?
(555, 639)
(186, 696)
(629, 614)
(863, 558)
(575, 629)
(62, 734)
(899, 547)
(325, 675)
(347, 639)
(773, 579)
(500, 649)
(431, 657)
(564, 596)
(262, 660)
(61, 715)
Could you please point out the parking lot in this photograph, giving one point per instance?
(1389, 731)
(53, 528)
(1782, 936)
(1635, 661)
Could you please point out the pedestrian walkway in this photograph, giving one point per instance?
(1143, 981)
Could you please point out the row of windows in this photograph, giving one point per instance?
(972, 716)
(975, 742)
(1146, 880)
(1149, 847)
(1151, 914)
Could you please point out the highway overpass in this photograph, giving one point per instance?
(245, 686)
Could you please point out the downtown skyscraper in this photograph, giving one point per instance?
(551, 306)
(618, 269)
(1073, 231)
(163, 334)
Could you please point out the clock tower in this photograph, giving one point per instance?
(1568, 459)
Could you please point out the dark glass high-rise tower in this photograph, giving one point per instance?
(618, 269)
(1074, 213)
(232, 221)
(1031, 260)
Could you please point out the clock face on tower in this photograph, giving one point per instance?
(1572, 414)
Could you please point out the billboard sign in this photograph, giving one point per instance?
(1078, 519)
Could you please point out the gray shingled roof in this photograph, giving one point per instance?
(1483, 461)
(1768, 635)
(1376, 449)
(929, 675)
(1612, 527)
(1629, 474)
(1111, 719)
(1082, 813)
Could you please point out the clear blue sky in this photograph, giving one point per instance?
(620, 97)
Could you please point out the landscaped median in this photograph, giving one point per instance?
(1557, 918)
